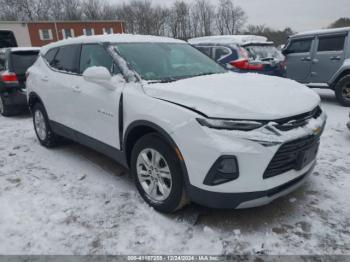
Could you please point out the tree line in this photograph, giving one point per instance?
(183, 19)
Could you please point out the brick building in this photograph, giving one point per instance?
(43, 33)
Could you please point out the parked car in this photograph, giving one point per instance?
(186, 127)
(349, 123)
(243, 53)
(14, 63)
(321, 59)
(7, 39)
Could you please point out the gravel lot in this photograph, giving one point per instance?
(72, 200)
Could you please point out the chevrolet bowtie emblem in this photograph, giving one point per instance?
(317, 131)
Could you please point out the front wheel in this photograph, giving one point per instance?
(342, 91)
(157, 173)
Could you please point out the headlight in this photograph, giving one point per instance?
(230, 124)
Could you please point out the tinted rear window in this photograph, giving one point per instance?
(21, 61)
(7, 39)
(334, 43)
(66, 59)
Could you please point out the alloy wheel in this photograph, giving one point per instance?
(40, 125)
(154, 174)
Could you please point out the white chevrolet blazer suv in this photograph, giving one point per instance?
(188, 129)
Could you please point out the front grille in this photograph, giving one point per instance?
(288, 156)
(290, 123)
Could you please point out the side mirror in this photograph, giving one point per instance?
(97, 74)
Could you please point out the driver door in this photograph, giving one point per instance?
(97, 104)
(299, 59)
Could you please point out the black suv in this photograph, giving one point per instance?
(14, 63)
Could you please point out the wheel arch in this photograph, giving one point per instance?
(34, 98)
(140, 128)
(339, 76)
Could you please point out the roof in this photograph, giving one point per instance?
(229, 39)
(22, 49)
(112, 38)
(323, 31)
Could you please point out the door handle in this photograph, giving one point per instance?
(45, 78)
(76, 89)
(306, 59)
(334, 58)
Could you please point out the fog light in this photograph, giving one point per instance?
(224, 170)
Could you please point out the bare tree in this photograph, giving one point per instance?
(179, 20)
(9, 10)
(92, 9)
(203, 17)
(256, 29)
(141, 17)
(229, 18)
(72, 9)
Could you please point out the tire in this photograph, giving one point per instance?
(342, 91)
(43, 131)
(5, 110)
(168, 193)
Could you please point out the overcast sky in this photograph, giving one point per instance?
(300, 15)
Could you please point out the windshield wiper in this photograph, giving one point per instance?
(205, 74)
(164, 80)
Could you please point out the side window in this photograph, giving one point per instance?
(300, 46)
(50, 55)
(331, 43)
(221, 52)
(204, 50)
(66, 59)
(96, 55)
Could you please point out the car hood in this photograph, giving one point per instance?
(238, 96)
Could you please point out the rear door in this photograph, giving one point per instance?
(329, 57)
(299, 59)
(19, 62)
(61, 82)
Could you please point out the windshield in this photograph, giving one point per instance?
(21, 61)
(264, 53)
(167, 61)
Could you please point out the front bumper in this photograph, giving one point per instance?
(254, 152)
(246, 200)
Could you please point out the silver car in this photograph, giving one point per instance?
(321, 59)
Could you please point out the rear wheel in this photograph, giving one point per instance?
(157, 173)
(42, 128)
(342, 91)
